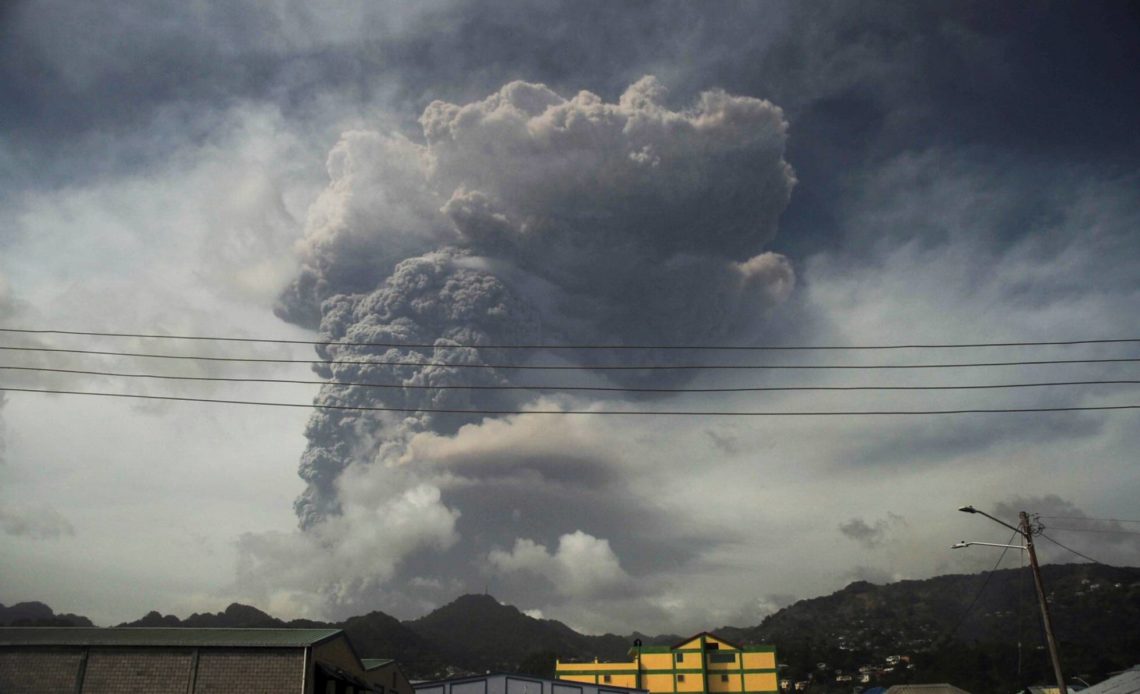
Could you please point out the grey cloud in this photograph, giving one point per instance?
(895, 73)
(724, 441)
(857, 529)
(5, 310)
(534, 480)
(934, 443)
(948, 234)
(3, 441)
(34, 522)
(871, 535)
(1107, 541)
(184, 67)
(754, 611)
(867, 81)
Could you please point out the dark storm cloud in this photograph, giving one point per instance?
(1050, 83)
(530, 503)
(856, 77)
(127, 85)
(932, 443)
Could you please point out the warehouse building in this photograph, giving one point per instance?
(516, 684)
(387, 671)
(701, 664)
(76, 660)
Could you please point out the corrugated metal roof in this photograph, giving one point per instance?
(169, 636)
(370, 663)
(464, 679)
(1127, 682)
(942, 688)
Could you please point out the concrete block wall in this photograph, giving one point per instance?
(152, 670)
(251, 671)
(44, 672)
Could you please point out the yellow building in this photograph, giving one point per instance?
(701, 664)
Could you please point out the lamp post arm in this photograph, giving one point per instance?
(1017, 530)
(986, 544)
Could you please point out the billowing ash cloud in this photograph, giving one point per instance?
(522, 218)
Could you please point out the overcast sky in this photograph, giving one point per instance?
(498, 173)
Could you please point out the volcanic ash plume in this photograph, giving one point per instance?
(526, 217)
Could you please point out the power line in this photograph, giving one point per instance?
(582, 346)
(674, 413)
(1086, 518)
(978, 595)
(621, 389)
(574, 367)
(1130, 569)
(1070, 549)
(1096, 530)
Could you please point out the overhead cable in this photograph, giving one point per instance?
(978, 595)
(572, 367)
(157, 336)
(1070, 549)
(1086, 518)
(1096, 530)
(674, 413)
(619, 389)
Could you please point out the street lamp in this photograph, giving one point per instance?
(962, 543)
(1025, 529)
(971, 509)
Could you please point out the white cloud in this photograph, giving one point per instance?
(582, 566)
(339, 564)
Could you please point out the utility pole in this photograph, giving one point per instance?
(1027, 532)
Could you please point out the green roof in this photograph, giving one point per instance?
(168, 636)
(373, 663)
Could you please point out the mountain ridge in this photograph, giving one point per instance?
(957, 627)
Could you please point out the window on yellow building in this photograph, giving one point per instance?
(724, 678)
(680, 678)
(607, 678)
(722, 658)
(680, 657)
